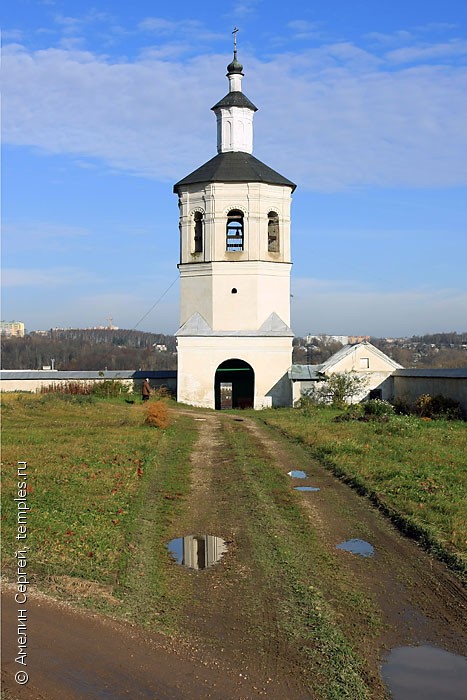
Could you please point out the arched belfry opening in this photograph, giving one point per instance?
(234, 385)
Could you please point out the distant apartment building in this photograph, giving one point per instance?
(12, 329)
(355, 339)
(343, 339)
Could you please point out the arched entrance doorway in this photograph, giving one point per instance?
(234, 385)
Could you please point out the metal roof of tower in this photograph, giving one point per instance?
(234, 166)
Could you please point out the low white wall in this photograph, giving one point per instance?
(35, 380)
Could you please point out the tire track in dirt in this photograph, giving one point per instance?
(232, 611)
(421, 600)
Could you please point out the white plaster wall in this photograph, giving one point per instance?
(196, 295)
(352, 361)
(199, 358)
(234, 129)
(262, 288)
(376, 375)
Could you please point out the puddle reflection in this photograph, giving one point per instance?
(306, 488)
(364, 549)
(425, 673)
(197, 551)
(297, 474)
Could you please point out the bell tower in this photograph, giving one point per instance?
(234, 338)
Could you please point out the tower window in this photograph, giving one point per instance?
(198, 240)
(234, 238)
(273, 232)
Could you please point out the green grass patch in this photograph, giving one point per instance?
(415, 470)
(103, 488)
(148, 583)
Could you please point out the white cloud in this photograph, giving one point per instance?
(73, 24)
(12, 35)
(69, 24)
(435, 27)
(244, 7)
(428, 52)
(331, 118)
(304, 29)
(191, 29)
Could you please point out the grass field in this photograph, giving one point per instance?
(414, 469)
(88, 463)
(107, 492)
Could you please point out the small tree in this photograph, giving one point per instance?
(340, 388)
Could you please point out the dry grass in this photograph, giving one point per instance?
(157, 415)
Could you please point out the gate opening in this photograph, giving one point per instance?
(234, 385)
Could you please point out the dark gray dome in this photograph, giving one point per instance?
(235, 66)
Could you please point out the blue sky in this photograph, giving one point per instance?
(362, 103)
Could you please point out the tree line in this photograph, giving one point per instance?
(437, 350)
(93, 349)
(105, 348)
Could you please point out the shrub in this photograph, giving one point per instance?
(438, 406)
(306, 403)
(340, 388)
(110, 388)
(71, 388)
(378, 407)
(162, 392)
(403, 407)
(157, 415)
(107, 388)
(355, 412)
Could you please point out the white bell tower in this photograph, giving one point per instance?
(234, 341)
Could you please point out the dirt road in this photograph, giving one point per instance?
(234, 642)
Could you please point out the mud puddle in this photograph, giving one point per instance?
(355, 546)
(425, 673)
(306, 488)
(197, 551)
(297, 474)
